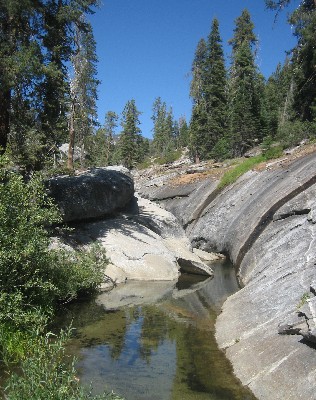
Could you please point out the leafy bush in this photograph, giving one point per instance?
(33, 278)
(170, 157)
(25, 210)
(27, 266)
(221, 151)
(78, 272)
(46, 376)
(17, 321)
(270, 149)
(293, 132)
(273, 152)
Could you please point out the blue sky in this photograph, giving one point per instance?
(146, 48)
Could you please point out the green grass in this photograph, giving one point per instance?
(232, 175)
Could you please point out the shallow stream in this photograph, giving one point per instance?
(155, 340)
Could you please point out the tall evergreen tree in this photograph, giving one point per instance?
(110, 124)
(58, 42)
(272, 101)
(304, 60)
(163, 131)
(302, 87)
(101, 145)
(83, 89)
(197, 87)
(130, 136)
(245, 89)
(215, 89)
(36, 44)
(199, 120)
(20, 59)
(183, 132)
(278, 99)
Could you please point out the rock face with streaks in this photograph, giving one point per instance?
(266, 223)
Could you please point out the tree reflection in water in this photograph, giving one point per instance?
(165, 350)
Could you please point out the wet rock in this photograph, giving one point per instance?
(309, 335)
(209, 257)
(132, 293)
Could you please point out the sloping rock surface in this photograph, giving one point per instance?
(233, 221)
(91, 195)
(146, 243)
(265, 222)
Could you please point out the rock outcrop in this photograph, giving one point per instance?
(143, 241)
(146, 244)
(265, 222)
(93, 194)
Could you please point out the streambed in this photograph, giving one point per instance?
(155, 340)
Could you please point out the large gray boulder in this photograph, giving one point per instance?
(93, 194)
(145, 244)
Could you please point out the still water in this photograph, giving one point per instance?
(155, 340)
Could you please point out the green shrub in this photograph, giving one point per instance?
(27, 266)
(144, 164)
(270, 151)
(273, 152)
(17, 322)
(170, 157)
(33, 278)
(292, 132)
(79, 272)
(45, 373)
(25, 211)
(221, 151)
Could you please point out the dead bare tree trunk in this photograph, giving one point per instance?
(71, 147)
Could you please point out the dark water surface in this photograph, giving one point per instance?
(155, 340)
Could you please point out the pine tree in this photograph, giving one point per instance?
(57, 39)
(101, 145)
(215, 89)
(278, 99)
(183, 132)
(36, 44)
(198, 132)
(303, 84)
(110, 125)
(83, 86)
(304, 60)
(130, 136)
(163, 131)
(245, 89)
(20, 58)
(199, 120)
